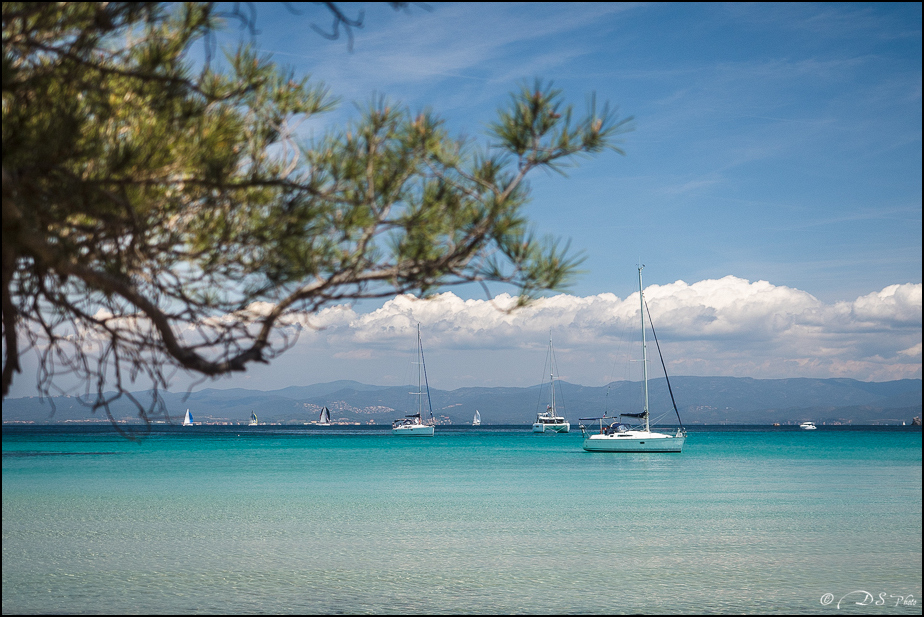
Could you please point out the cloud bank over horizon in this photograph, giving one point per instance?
(715, 327)
(729, 326)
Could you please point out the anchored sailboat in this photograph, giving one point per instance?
(619, 437)
(413, 424)
(549, 421)
(324, 419)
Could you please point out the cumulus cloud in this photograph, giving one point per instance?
(728, 326)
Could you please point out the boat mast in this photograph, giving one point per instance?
(419, 373)
(552, 372)
(641, 298)
(423, 370)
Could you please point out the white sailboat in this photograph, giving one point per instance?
(413, 424)
(188, 419)
(253, 419)
(324, 419)
(549, 421)
(476, 421)
(619, 437)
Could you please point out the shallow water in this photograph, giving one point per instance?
(271, 519)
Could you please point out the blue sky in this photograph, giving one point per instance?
(771, 186)
(775, 142)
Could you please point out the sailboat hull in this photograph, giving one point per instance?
(562, 427)
(634, 441)
(421, 430)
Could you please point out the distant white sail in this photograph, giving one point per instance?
(324, 420)
(188, 420)
(477, 420)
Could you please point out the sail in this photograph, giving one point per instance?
(188, 420)
(253, 418)
(477, 419)
(325, 416)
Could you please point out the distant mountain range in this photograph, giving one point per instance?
(700, 400)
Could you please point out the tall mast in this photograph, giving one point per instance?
(641, 298)
(552, 373)
(419, 373)
(423, 371)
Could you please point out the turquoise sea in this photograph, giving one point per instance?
(487, 520)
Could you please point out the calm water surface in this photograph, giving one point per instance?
(271, 519)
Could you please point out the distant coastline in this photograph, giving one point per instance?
(701, 401)
(314, 430)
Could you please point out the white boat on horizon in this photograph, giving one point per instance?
(617, 436)
(414, 424)
(188, 419)
(808, 426)
(253, 419)
(324, 419)
(549, 421)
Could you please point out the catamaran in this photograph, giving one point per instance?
(413, 424)
(324, 419)
(619, 437)
(549, 421)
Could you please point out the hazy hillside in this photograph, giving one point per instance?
(700, 400)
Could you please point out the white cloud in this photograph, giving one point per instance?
(728, 326)
(898, 304)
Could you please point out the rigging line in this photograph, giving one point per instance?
(553, 371)
(426, 381)
(661, 356)
(547, 363)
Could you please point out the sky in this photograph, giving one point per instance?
(771, 186)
